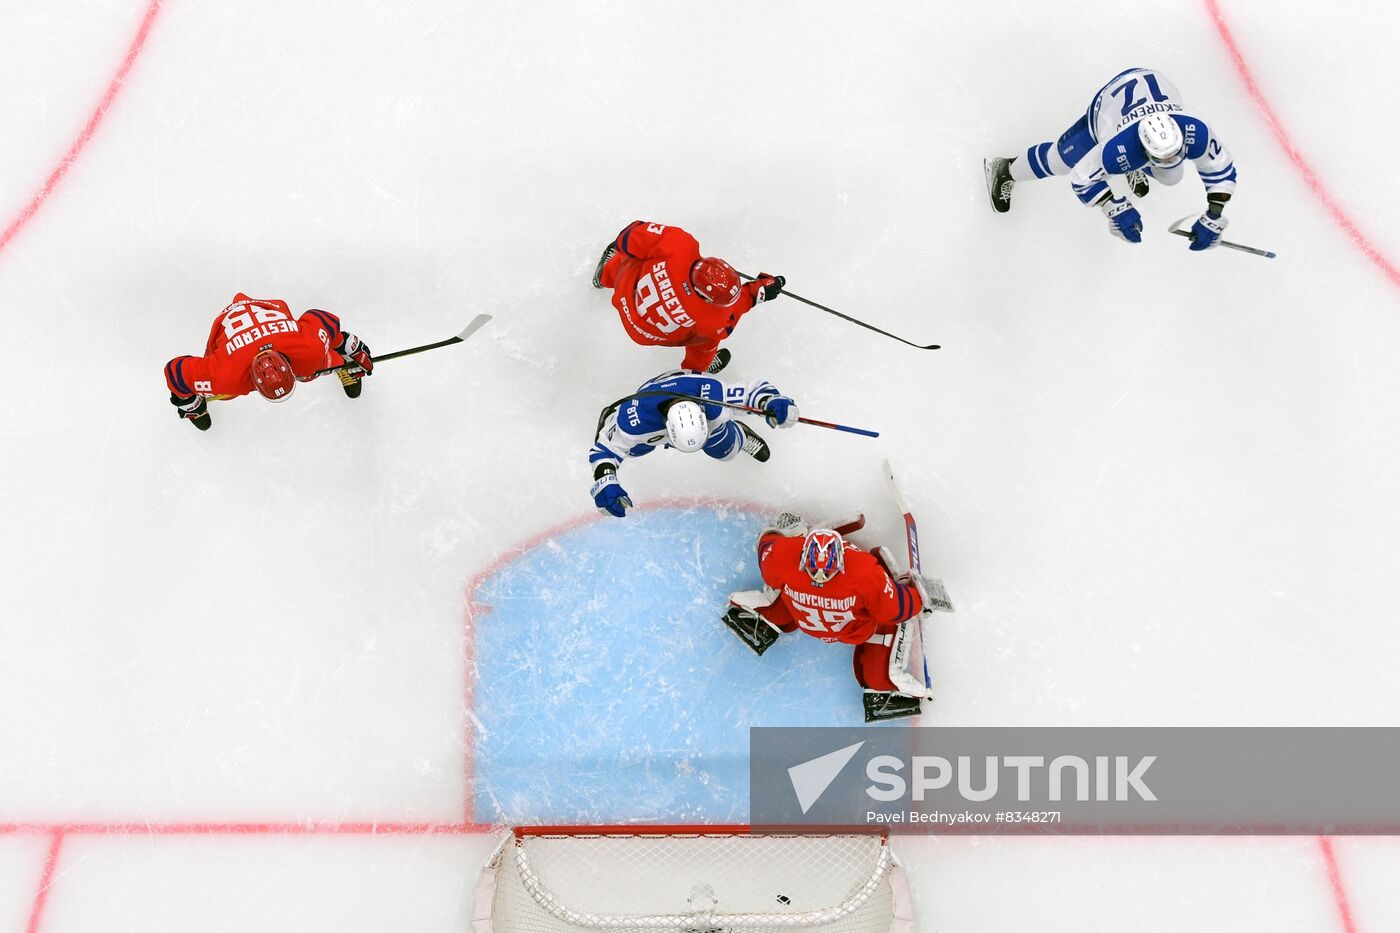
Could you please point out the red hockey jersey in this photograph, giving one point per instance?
(240, 332)
(650, 279)
(861, 601)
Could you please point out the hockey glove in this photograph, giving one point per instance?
(1205, 232)
(608, 494)
(1124, 221)
(780, 411)
(769, 287)
(356, 352)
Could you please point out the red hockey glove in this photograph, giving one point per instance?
(769, 287)
(356, 351)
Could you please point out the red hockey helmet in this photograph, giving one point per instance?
(272, 374)
(715, 280)
(823, 555)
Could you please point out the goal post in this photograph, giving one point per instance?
(692, 879)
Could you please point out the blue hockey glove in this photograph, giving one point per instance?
(608, 494)
(1124, 221)
(780, 411)
(1205, 232)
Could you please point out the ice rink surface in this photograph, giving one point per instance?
(276, 676)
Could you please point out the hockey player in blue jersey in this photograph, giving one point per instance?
(658, 416)
(1135, 127)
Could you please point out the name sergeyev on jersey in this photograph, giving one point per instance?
(659, 286)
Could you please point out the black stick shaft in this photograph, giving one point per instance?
(846, 317)
(747, 408)
(477, 323)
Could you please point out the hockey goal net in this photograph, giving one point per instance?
(691, 879)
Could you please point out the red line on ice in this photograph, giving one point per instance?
(41, 897)
(1310, 176)
(113, 87)
(1339, 891)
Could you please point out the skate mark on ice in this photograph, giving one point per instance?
(606, 689)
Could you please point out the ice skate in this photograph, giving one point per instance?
(999, 183)
(1137, 183)
(351, 384)
(754, 444)
(721, 360)
(608, 253)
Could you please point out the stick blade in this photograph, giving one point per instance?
(476, 324)
(1180, 228)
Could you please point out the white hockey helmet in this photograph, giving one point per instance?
(687, 428)
(1161, 137)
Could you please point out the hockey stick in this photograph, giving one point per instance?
(911, 535)
(1180, 230)
(477, 324)
(911, 529)
(748, 408)
(847, 317)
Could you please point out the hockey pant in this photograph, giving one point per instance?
(725, 441)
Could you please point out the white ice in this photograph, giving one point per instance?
(1161, 485)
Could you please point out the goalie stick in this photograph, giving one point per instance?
(911, 634)
(1180, 229)
(476, 324)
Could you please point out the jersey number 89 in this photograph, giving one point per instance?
(237, 323)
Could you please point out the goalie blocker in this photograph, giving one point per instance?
(817, 581)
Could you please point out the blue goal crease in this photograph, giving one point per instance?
(607, 688)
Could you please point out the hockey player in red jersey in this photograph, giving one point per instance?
(820, 583)
(668, 295)
(256, 344)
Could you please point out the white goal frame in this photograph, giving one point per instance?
(871, 894)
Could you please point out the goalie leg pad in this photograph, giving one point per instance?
(753, 630)
(908, 660)
(870, 662)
